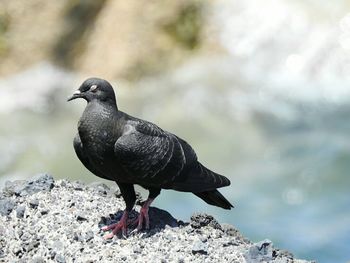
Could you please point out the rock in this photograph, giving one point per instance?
(200, 247)
(261, 251)
(229, 243)
(81, 217)
(38, 259)
(57, 246)
(25, 237)
(77, 185)
(100, 188)
(137, 250)
(44, 211)
(17, 249)
(78, 237)
(228, 229)
(60, 259)
(14, 188)
(34, 203)
(89, 235)
(6, 206)
(40, 182)
(71, 233)
(199, 220)
(20, 211)
(32, 245)
(282, 256)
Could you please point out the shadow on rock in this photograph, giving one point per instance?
(159, 219)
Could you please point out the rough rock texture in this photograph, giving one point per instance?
(42, 220)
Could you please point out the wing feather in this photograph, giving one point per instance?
(146, 152)
(154, 157)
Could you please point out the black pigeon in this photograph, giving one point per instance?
(118, 147)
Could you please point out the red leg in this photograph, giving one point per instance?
(143, 216)
(121, 225)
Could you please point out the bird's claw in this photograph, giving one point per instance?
(106, 228)
(115, 229)
(108, 236)
(141, 220)
(134, 232)
(121, 225)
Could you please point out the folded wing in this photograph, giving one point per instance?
(154, 157)
(149, 154)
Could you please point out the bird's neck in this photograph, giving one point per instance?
(107, 106)
(97, 116)
(96, 112)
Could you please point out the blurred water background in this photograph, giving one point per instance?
(261, 90)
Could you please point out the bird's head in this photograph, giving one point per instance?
(95, 89)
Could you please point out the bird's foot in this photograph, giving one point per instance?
(143, 217)
(122, 226)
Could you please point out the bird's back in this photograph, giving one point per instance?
(157, 158)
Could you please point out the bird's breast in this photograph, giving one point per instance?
(98, 137)
(99, 129)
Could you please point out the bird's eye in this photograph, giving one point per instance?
(93, 88)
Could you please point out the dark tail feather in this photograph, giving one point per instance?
(215, 198)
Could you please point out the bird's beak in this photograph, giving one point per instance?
(76, 94)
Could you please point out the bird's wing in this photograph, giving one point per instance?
(79, 150)
(149, 154)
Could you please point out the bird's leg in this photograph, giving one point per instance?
(128, 193)
(143, 216)
(121, 225)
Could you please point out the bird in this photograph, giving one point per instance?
(130, 151)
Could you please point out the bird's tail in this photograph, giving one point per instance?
(214, 197)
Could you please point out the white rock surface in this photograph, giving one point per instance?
(42, 220)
